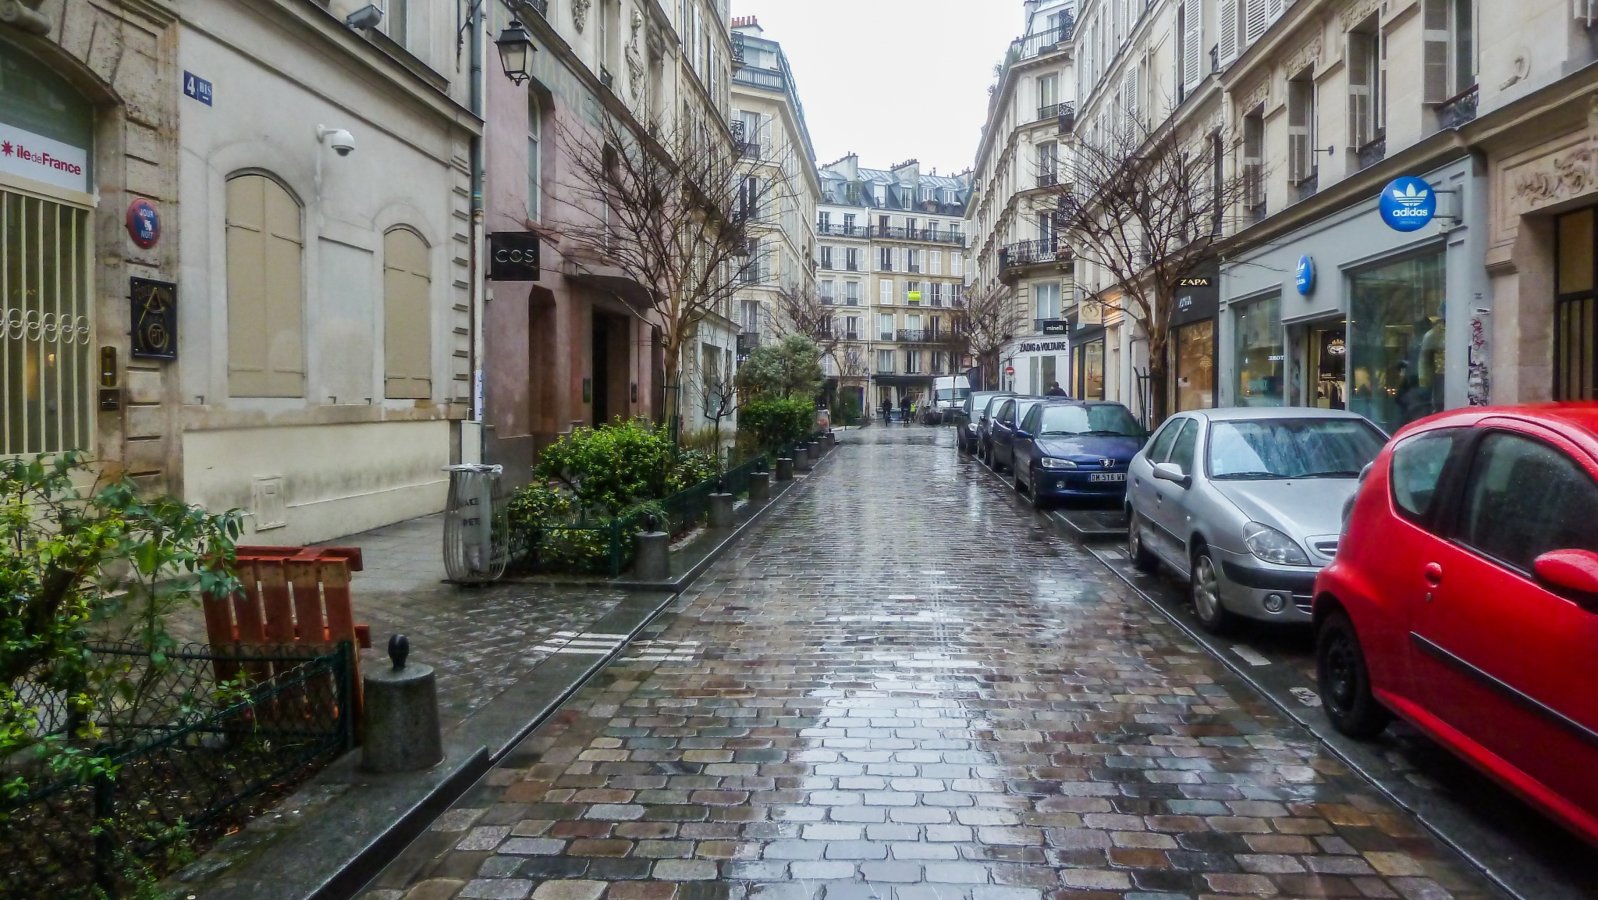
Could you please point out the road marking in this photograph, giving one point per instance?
(902, 597)
(1306, 696)
(1249, 656)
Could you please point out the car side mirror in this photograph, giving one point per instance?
(1173, 473)
(1575, 571)
(1024, 435)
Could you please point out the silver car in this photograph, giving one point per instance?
(1246, 504)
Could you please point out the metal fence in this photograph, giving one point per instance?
(192, 741)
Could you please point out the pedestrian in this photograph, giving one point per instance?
(904, 408)
(1055, 390)
(887, 410)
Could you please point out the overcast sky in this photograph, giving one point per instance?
(892, 79)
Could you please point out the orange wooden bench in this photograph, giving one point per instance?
(288, 596)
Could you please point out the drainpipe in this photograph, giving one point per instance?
(477, 88)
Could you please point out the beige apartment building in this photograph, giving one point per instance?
(1320, 106)
(1016, 252)
(890, 244)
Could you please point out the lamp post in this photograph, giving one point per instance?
(516, 52)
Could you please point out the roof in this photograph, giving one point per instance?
(1258, 413)
(1578, 421)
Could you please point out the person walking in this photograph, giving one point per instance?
(1055, 390)
(887, 411)
(904, 408)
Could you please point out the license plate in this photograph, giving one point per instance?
(1107, 476)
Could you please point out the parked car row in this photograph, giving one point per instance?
(1450, 573)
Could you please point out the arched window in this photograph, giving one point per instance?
(265, 290)
(535, 159)
(407, 317)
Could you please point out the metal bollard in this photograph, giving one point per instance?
(785, 469)
(759, 488)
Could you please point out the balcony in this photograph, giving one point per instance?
(1048, 179)
(1048, 251)
(748, 342)
(918, 336)
(1035, 45)
(737, 49)
(885, 335)
(834, 230)
(606, 80)
(926, 235)
(541, 6)
(1254, 210)
(851, 335)
(851, 267)
(828, 300)
(1306, 187)
(1459, 109)
(1372, 153)
(1063, 113)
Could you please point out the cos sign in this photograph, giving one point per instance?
(513, 256)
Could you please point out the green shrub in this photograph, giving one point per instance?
(610, 468)
(690, 468)
(549, 533)
(788, 369)
(776, 423)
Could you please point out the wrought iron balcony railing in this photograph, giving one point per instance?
(1030, 253)
(1459, 109)
(835, 230)
(919, 336)
(1372, 153)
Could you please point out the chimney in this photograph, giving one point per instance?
(751, 23)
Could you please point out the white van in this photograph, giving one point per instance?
(948, 394)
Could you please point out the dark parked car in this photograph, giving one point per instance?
(1071, 449)
(968, 419)
(1002, 428)
(1464, 600)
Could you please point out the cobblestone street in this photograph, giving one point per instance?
(907, 686)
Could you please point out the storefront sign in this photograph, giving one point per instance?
(1044, 347)
(1408, 204)
(513, 256)
(42, 159)
(144, 223)
(155, 318)
(1304, 276)
(196, 88)
(1055, 326)
(1197, 297)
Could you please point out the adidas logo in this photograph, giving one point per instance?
(1410, 197)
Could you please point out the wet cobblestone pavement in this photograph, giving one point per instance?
(907, 687)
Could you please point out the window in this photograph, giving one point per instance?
(1193, 375)
(1160, 447)
(851, 257)
(851, 328)
(1396, 358)
(749, 272)
(885, 361)
(1449, 55)
(535, 159)
(1254, 162)
(885, 261)
(826, 257)
(1258, 449)
(885, 326)
(848, 226)
(911, 226)
(935, 261)
(1367, 88)
(407, 316)
(882, 226)
(851, 292)
(1046, 296)
(1190, 37)
(828, 288)
(266, 343)
(885, 292)
(395, 23)
(1048, 94)
(1048, 164)
(1183, 450)
(1524, 499)
(1417, 467)
(913, 323)
(937, 362)
(956, 264)
(912, 260)
(936, 293)
(1301, 128)
(1576, 308)
(44, 279)
(1258, 353)
(823, 221)
(912, 291)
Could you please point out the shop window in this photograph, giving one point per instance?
(265, 297)
(1576, 310)
(44, 354)
(407, 317)
(1396, 338)
(1089, 370)
(1194, 373)
(1258, 353)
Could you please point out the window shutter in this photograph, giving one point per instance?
(1434, 53)
(1276, 9)
(407, 317)
(1129, 97)
(1297, 132)
(1192, 38)
(1258, 20)
(1359, 90)
(1228, 47)
(265, 305)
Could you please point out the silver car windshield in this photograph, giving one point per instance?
(1291, 448)
(1102, 418)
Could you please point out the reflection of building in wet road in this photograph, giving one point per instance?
(909, 688)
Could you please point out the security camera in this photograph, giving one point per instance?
(365, 18)
(342, 142)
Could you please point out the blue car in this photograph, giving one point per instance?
(1075, 450)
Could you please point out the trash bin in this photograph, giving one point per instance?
(476, 539)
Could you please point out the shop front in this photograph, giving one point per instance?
(1351, 313)
(1085, 324)
(1192, 342)
(1042, 362)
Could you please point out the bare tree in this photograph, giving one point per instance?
(1146, 208)
(980, 328)
(801, 311)
(672, 211)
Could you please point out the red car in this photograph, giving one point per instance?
(1464, 599)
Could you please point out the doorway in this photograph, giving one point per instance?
(599, 365)
(1328, 365)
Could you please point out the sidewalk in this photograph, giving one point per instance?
(505, 656)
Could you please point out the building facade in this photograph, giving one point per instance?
(894, 239)
(1017, 255)
(579, 346)
(770, 131)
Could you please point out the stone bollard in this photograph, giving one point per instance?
(721, 511)
(801, 458)
(785, 468)
(759, 488)
(651, 552)
(402, 733)
(832, 438)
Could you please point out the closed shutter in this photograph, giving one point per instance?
(1434, 52)
(1359, 90)
(1192, 41)
(407, 317)
(1276, 9)
(1129, 96)
(1229, 37)
(1299, 96)
(265, 249)
(1258, 21)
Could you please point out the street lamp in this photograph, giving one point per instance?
(516, 52)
